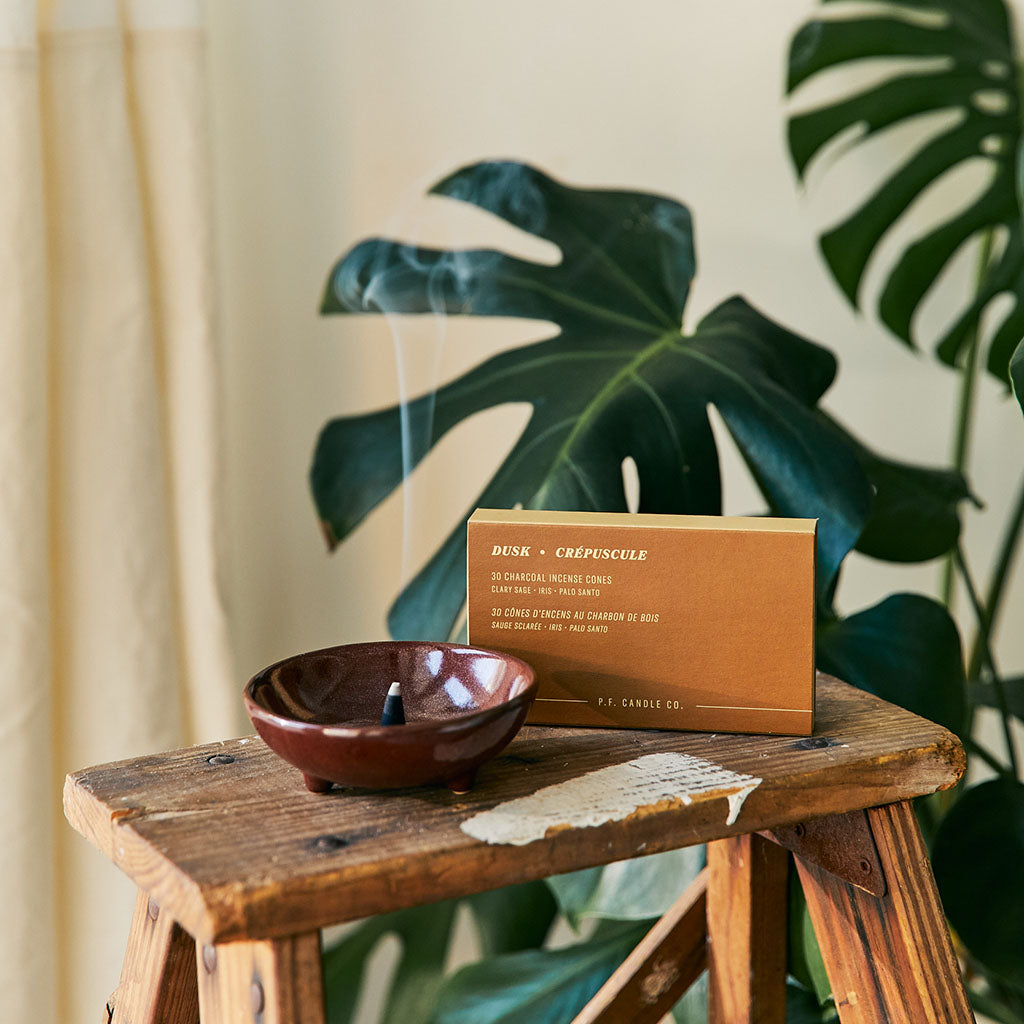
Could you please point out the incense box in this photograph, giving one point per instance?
(651, 621)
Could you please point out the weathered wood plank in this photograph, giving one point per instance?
(158, 976)
(747, 904)
(888, 958)
(664, 964)
(274, 982)
(227, 837)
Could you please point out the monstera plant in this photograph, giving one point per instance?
(618, 376)
(952, 79)
(956, 57)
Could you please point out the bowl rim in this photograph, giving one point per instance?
(343, 731)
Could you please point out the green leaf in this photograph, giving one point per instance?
(574, 892)
(513, 918)
(803, 1008)
(906, 649)
(984, 692)
(536, 986)
(618, 379)
(952, 56)
(1017, 373)
(804, 955)
(628, 890)
(424, 932)
(977, 859)
(344, 966)
(692, 1008)
(915, 510)
(993, 1007)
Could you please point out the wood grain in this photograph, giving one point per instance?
(664, 964)
(158, 976)
(228, 839)
(747, 906)
(274, 982)
(889, 959)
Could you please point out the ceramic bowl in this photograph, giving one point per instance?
(321, 712)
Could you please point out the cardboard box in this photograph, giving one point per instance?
(651, 621)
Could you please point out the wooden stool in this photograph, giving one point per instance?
(238, 866)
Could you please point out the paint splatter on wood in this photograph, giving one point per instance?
(611, 794)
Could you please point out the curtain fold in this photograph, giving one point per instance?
(28, 805)
(114, 638)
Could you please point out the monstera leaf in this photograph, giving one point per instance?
(905, 649)
(628, 890)
(915, 510)
(537, 986)
(507, 920)
(954, 56)
(1017, 374)
(977, 857)
(424, 933)
(618, 379)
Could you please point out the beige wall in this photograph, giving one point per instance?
(332, 118)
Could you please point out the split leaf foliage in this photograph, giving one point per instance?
(617, 377)
(954, 72)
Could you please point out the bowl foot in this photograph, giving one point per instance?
(462, 783)
(315, 784)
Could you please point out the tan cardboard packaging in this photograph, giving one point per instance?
(651, 621)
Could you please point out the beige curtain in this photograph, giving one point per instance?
(113, 639)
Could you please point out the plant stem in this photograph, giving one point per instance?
(984, 629)
(1004, 560)
(965, 413)
(990, 759)
(961, 446)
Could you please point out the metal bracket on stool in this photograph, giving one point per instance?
(841, 844)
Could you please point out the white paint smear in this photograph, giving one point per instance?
(610, 794)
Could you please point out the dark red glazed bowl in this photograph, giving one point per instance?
(321, 712)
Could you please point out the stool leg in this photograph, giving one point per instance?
(158, 976)
(747, 905)
(889, 958)
(277, 981)
(667, 961)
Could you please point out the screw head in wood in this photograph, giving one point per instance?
(799, 830)
(813, 743)
(209, 959)
(220, 759)
(865, 866)
(256, 998)
(328, 843)
(153, 909)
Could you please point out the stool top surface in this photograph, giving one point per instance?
(226, 838)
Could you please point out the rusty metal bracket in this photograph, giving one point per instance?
(841, 844)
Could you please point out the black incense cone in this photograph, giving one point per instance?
(394, 711)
